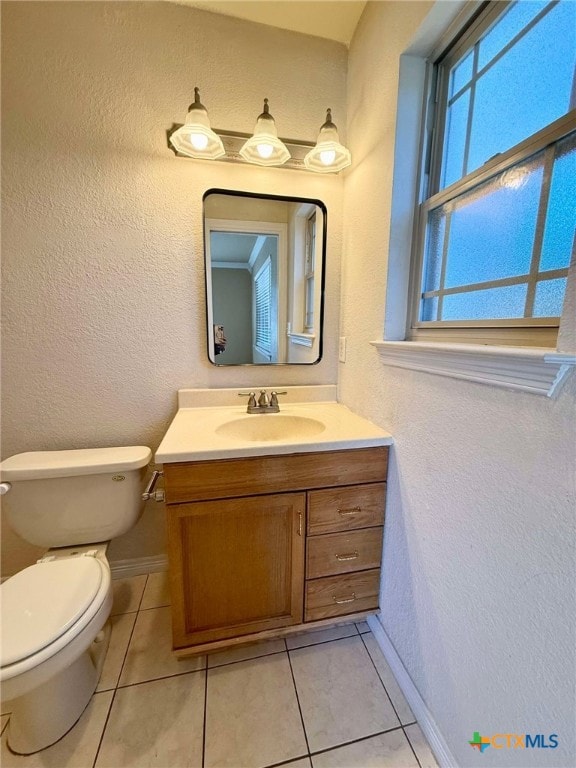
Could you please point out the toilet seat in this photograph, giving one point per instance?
(45, 606)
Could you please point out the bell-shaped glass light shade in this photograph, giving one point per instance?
(328, 155)
(264, 147)
(195, 138)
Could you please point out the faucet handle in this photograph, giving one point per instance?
(263, 399)
(274, 398)
(251, 398)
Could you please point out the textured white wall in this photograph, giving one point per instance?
(103, 269)
(478, 578)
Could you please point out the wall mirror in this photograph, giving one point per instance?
(265, 263)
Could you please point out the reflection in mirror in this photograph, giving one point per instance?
(264, 278)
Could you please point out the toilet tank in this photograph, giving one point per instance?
(63, 498)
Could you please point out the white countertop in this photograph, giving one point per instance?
(193, 435)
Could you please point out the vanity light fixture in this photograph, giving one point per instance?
(264, 147)
(328, 155)
(195, 138)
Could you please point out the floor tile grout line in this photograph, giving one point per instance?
(402, 725)
(115, 690)
(144, 590)
(126, 651)
(409, 740)
(355, 741)
(298, 700)
(157, 679)
(274, 653)
(382, 682)
(323, 642)
(288, 762)
(239, 661)
(101, 739)
(154, 607)
(205, 714)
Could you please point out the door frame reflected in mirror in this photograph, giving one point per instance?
(290, 342)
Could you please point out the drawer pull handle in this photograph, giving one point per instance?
(299, 523)
(348, 556)
(341, 600)
(349, 511)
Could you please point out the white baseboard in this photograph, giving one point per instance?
(421, 712)
(138, 566)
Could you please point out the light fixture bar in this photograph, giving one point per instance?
(233, 142)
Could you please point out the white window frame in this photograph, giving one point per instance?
(309, 268)
(527, 331)
(298, 332)
(494, 361)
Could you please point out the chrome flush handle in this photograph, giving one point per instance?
(150, 493)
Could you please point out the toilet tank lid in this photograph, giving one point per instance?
(89, 461)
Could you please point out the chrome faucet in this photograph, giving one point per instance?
(264, 405)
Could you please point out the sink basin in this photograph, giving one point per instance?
(270, 426)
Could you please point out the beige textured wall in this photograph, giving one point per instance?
(103, 272)
(478, 548)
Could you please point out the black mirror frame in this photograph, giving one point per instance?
(286, 199)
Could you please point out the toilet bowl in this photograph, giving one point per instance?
(54, 613)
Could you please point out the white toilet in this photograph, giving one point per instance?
(52, 648)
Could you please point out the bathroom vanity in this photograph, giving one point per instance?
(271, 535)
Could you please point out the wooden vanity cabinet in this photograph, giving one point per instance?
(268, 545)
(238, 566)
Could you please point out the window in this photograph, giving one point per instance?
(496, 227)
(263, 309)
(310, 260)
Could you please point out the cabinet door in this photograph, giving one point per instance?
(236, 566)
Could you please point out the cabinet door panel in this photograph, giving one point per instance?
(236, 566)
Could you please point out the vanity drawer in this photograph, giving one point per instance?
(221, 479)
(343, 552)
(343, 509)
(339, 595)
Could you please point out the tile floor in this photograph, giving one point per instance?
(324, 699)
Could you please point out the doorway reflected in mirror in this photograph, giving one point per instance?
(265, 261)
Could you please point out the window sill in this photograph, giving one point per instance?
(528, 369)
(304, 339)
